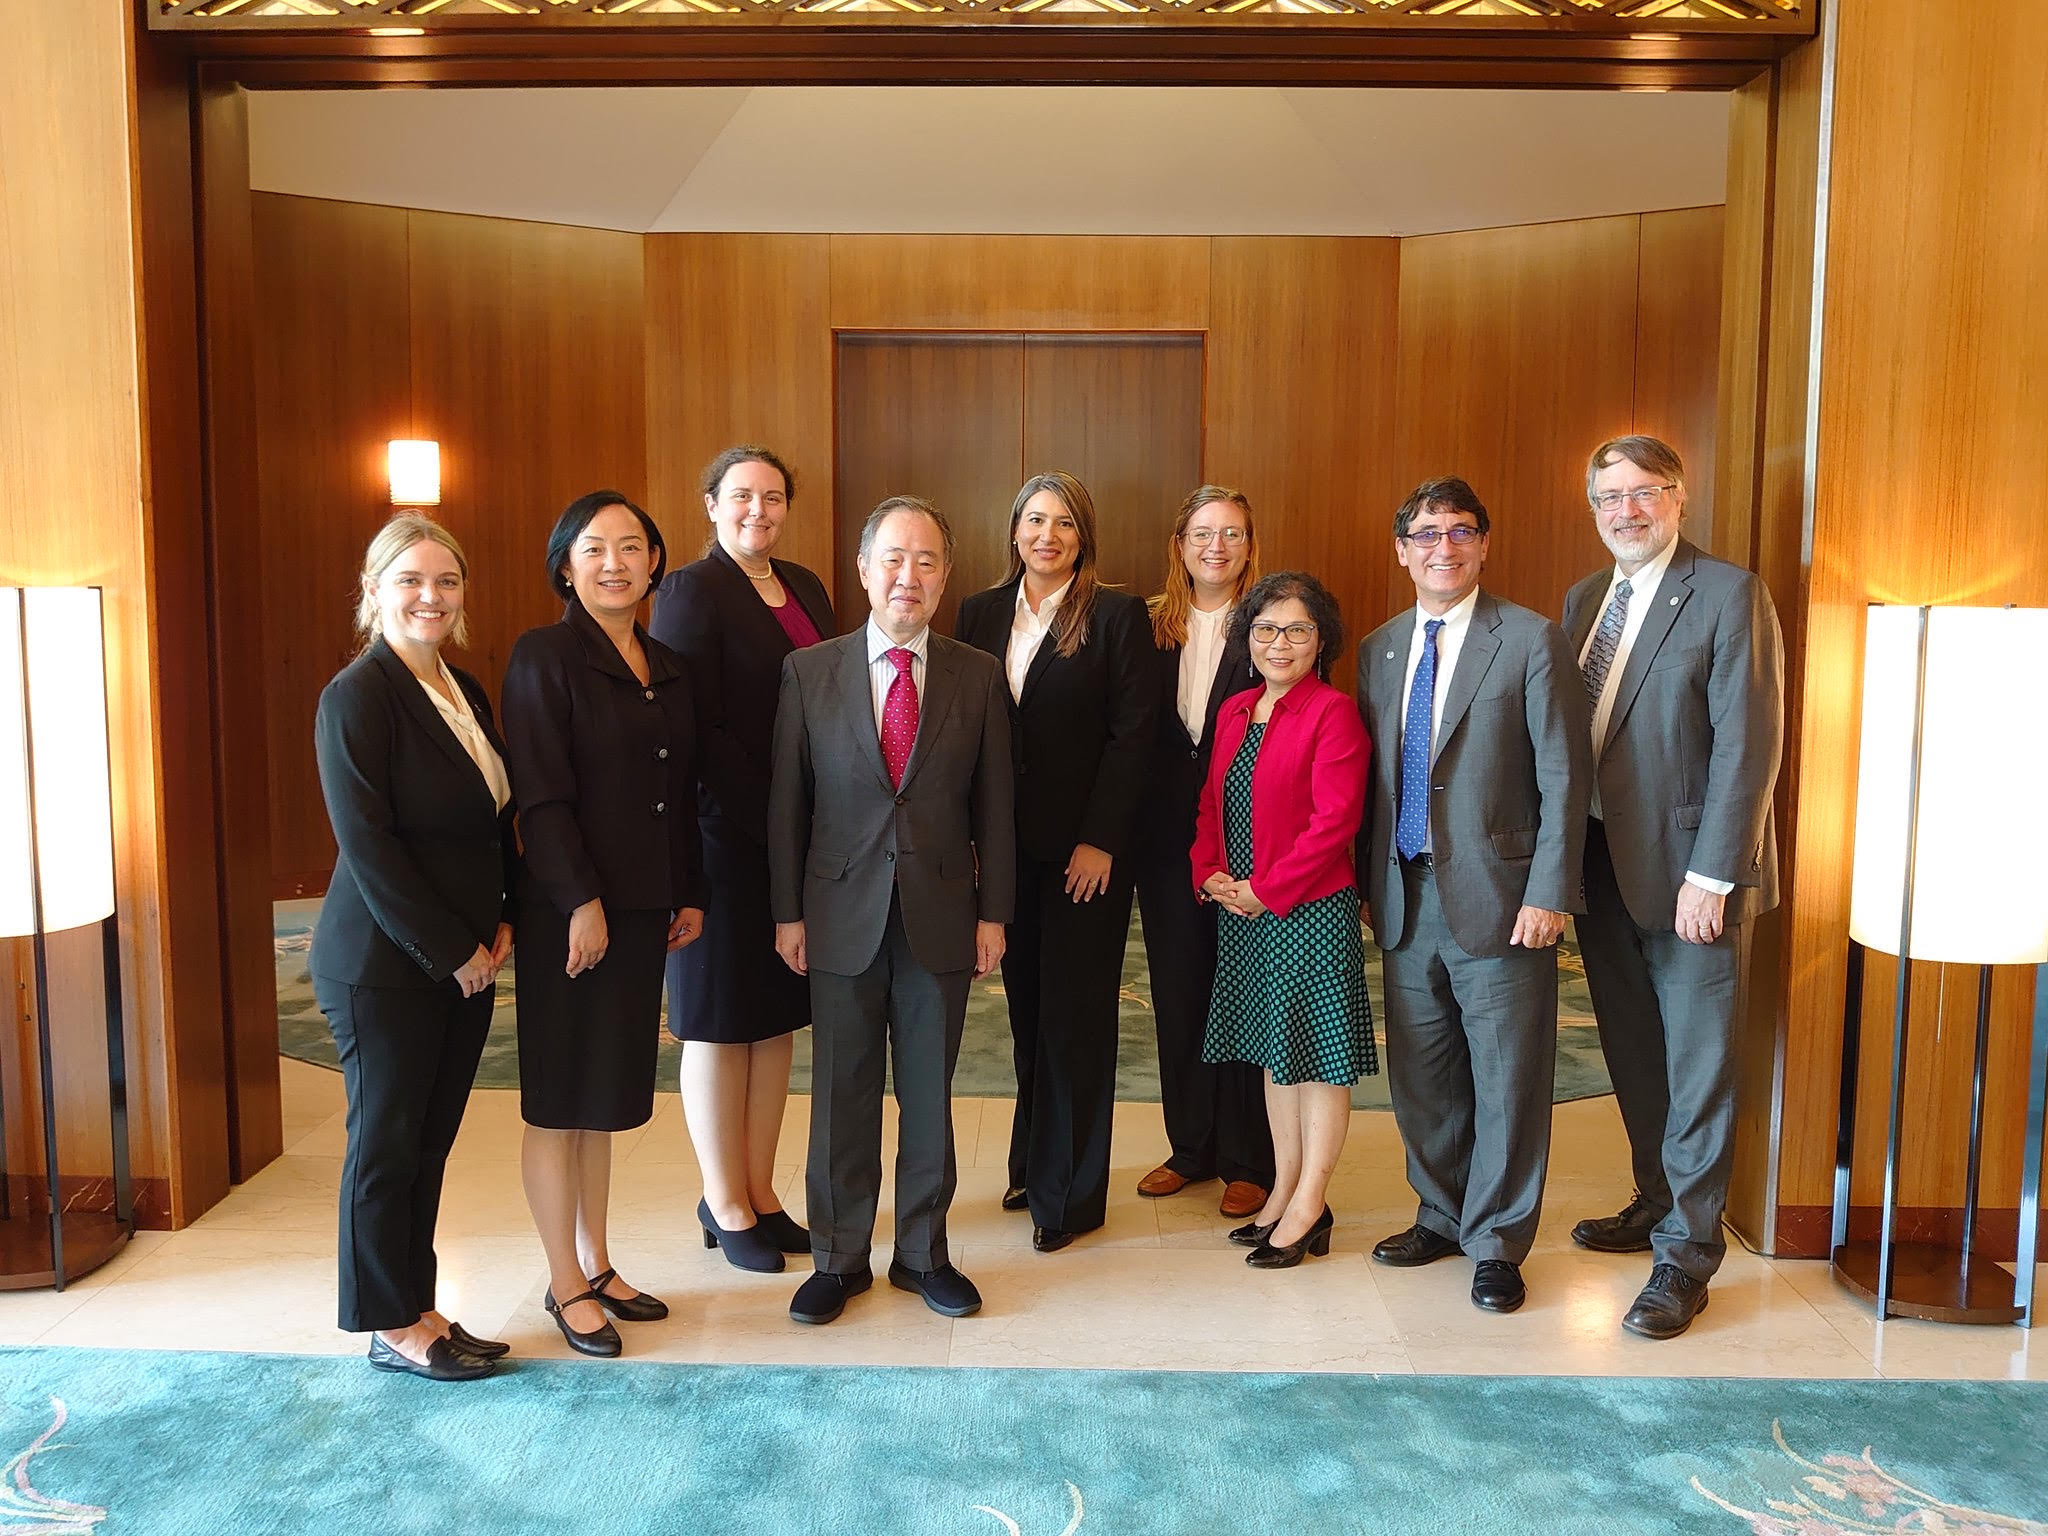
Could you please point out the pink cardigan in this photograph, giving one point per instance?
(1308, 794)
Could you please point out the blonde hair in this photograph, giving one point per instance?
(1170, 608)
(391, 541)
(1069, 628)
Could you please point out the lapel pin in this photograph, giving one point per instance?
(1674, 602)
(1390, 655)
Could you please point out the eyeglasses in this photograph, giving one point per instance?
(1297, 634)
(1642, 498)
(1429, 538)
(1201, 538)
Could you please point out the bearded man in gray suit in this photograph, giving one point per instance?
(1470, 852)
(891, 872)
(1684, 669)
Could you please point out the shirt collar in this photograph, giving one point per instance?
(1045, 609)
(1457, 618)
(1646, 580)
(879, 643)
(1216, 618)
(602, 654)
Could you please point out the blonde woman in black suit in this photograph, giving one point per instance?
(411, 933)
(1078, 657)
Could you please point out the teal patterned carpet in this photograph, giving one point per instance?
(205, 1445)
(985, 1069)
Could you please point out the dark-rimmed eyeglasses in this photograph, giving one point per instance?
(1266, 632)
(1429, 538)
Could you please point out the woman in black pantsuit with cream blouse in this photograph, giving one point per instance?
(602, 736)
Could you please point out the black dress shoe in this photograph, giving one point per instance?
(945, 1290)
(1315, 1241)
(1050, 1239)
(1497, 1286)
(1667, 1305)
(745, 1247)
(1416, 1246)
(824, 1296)
(780, 1228)
(1627, 1232)
(1016, 1198)
(627, 1309)
(1251, 1234)
(445, 1362)
(602, 1341)
(483, 1349)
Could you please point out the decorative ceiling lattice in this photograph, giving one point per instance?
(1621, 16)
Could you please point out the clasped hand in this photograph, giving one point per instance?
(481, 968)
(1233, 895)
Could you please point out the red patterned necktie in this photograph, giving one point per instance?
(899, 716)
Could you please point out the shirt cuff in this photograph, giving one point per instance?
(1718, 887)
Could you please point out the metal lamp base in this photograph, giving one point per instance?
(90, 1239)
(1930, 1281)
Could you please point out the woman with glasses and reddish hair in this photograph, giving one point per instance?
(1273, 850)
(1077, 656)
(1215, 1112)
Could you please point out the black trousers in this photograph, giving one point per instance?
(408, 1060)
(1215, 1112)
(1062, 969)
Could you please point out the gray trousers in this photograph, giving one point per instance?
(1471, 1062)
(1667, 1012)
(896, 1012)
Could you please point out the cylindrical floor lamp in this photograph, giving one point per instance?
(1951, 866)
(57, 873)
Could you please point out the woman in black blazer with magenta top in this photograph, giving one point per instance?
(732, 617)
(1077, 658)
(603, 739)
(411, 933)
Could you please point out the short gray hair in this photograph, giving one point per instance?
(915, 504)
(1652, 455)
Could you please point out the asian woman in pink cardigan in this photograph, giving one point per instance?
(1273, 849)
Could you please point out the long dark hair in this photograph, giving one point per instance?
(1069, 629)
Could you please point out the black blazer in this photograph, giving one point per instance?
(425, 855)
(732, 646)
(1081, 735)
(603, 769)
(1179, 766)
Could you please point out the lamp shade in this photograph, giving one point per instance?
(53, 750)
(1980, 847)
(415, 470)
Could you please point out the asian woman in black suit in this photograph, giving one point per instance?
(1078, 658)
(411, 933)
(602, 733)
(1215, 1114)
(732, 617)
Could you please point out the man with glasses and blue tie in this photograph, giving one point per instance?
(1475, 823)
(1685, 676)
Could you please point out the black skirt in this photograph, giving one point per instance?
(587, 1043)
(730, 987)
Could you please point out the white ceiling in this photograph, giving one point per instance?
(1000, 160)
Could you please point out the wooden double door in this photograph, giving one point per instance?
(963, 420)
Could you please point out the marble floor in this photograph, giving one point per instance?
(1158, 1287)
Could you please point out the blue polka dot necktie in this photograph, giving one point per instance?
(1411, 831)
(1606, 640)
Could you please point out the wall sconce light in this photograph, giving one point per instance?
(57, 873)
(1951, 844)
(415, 472)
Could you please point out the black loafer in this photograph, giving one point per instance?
(1627, 1232)
(945, 1290)
(602, 1341)
(1050, 1239)
(483, 1349)
(745, 1247)
(642, 1308)
(1016, 1198)
(1412, 1248)
(1497, 1286)
(445, 1362)
(1667, 1305)
(780, 1228)
(825, 1295)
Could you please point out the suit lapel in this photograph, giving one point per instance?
(1040, 660)
(1667, 604)
(1233, 675)
(769, 635)
(1393, 706)
(817, 610)
(941, 682)
(1474, 657)
(414, 701)
(857, 698)
(1579, 622)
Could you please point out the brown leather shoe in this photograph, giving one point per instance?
(1162, 1181)
(1242, 1198)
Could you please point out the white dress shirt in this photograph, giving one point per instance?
(1449, 641)
(463, 722)
(882, 671)
(1027, 632)
(1199, 659)
(1642, 588)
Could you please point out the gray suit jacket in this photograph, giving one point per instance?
(1693, 742)
(841, 840)
(1509, 781)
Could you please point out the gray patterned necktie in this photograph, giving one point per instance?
(1600, 655)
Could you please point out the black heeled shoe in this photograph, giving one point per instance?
(1251, 1234)
(747, 1248)
(470, 1344)
(602, 1341)
(628, 1309)
(1315, 1241)
(780, 1228)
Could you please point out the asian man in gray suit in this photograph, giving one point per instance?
(1470, 852)
(891, 872)
(1685, 674)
